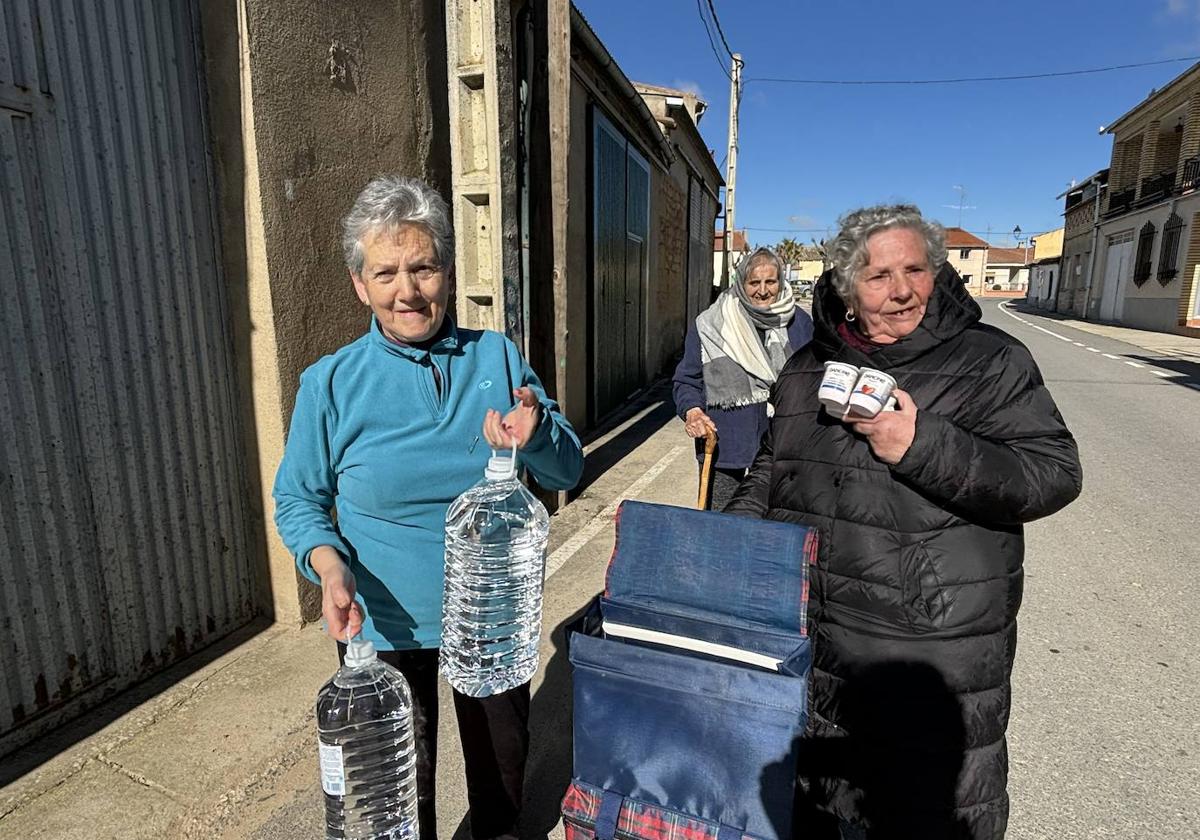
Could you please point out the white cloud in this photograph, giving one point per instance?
(1177, 7)
(803, 221)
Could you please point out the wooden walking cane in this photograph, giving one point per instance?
(710, 443)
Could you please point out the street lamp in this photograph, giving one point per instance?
(1017, 236)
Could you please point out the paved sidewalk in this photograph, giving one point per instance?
(1160, 343)
(224, 745)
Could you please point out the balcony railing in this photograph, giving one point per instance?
(1120, 200)
(1156, 187)
(1191, 174)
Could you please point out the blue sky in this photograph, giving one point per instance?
(809, 153)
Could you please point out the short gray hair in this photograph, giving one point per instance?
(755, 257)
(390, 201)
(848, 250)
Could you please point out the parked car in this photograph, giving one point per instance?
(803, 288)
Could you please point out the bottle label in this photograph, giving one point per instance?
(333, 772)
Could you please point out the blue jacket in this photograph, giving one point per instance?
(373, 436)
(739, 430)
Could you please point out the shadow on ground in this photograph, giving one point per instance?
(1185, 373)
(609, 453)
(551, 744)
(28, 758)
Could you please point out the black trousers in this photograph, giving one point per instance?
(495, 740)
(723, 484)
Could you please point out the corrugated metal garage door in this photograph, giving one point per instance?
(124, 544)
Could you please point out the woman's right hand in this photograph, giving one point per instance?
(698, 424)
(338, 607)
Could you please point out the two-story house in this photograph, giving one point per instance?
(1081, 212)
(968, 254)
(1148, 238)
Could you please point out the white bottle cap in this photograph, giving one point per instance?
(501, 467)
(360, 653)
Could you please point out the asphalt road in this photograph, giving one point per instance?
(1105, 730)
(1105, 733)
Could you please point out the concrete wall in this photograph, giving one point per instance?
(808, 269)
(734, 258)
(1043, 284)
(1048, 245)
(1153, 305)
(308, 100)
(1150, 313)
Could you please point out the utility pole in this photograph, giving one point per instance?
(735, 95)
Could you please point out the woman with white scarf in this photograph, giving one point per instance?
(731, 357)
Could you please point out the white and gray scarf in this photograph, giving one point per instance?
(743, 346)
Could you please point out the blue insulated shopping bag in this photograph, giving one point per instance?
(690, 691)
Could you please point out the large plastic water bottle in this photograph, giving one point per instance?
(495, 563)
(368, 758)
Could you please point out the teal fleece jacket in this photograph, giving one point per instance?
(374, 436)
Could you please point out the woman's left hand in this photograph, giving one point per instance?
(517, 426)
(889, 433)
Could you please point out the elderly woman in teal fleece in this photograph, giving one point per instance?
(388, 431)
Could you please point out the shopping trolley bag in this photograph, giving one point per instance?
(690, 687)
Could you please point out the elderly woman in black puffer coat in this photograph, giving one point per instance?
(920, 509)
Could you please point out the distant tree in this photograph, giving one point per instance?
(790, 251)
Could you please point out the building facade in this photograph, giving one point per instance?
(1147, 240)
(968, 254)
(1081, 216)
(739, 246)
(173, 265)
(1007, 271)
(1045, 270)
(192, 198)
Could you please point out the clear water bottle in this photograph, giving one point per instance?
(495, 563)
(368, 757)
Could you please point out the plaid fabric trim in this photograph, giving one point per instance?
(637, 820)
(810, 559)
(616, 545)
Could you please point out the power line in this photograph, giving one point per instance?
(711, 43)
(826, 229)
(721, 32)
(970, 79)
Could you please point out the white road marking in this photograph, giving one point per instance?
(604, 518)
(1004, 308)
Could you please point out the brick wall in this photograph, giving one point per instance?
(1187, 294)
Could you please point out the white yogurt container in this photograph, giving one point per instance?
(871, 392)
(836, 387)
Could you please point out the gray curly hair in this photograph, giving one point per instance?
(848, 250)
(388, 202)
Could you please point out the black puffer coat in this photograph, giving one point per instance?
(914, 599)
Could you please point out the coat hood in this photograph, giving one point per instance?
(949, 311)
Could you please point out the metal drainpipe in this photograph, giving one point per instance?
(1087, 289)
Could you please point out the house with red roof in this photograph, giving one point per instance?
(968, 254)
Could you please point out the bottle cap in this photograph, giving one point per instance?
(501, 467)
(359, 653)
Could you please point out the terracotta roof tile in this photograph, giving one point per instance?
(1009, 256)
(738, 243)
(956, 237)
